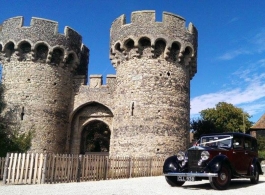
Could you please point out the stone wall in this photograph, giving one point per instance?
(37, 100)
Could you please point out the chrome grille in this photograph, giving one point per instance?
(193, 158)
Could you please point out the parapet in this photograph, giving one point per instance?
(172, 26)
(39, 30)
(111, 79)
(96, 81)
(15, 36)
(169, 39)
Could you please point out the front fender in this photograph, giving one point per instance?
(214, 166)
(172, 164)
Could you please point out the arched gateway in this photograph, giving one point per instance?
(91, 125)
(95, 137)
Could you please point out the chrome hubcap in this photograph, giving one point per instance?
(223, 176)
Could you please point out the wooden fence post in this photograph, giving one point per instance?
(130, 167)
(79, 169)
(106, 167)
(6, 167)
(44, 169)
(151, 166)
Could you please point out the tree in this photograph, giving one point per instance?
(223, 118)
(97, 137)
(261, 142)
(10, 139)
(200, 127)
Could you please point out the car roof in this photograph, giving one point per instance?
(229, 133)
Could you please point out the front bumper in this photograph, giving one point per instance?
(193, 174)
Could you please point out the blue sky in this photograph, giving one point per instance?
(231, 52)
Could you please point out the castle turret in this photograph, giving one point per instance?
(39, 66)
(154, 63)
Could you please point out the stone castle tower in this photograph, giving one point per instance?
(145, 106)
(39, 66)
(154, 62)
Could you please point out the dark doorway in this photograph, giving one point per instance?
(95, 137)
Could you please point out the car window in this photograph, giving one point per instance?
(216, 141)
(248, 143)
(238, 142)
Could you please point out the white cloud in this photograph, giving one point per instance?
(258, 40)
(250, 95)
(233, 20)
(254, 108)
(210, 100)
(252, 45)
(232, 54)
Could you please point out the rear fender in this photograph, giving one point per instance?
(256, 162)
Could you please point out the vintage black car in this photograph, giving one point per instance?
(217, 157)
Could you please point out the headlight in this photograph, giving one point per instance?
(181, 156)
(205, 155)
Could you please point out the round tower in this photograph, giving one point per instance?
(39, 67)
(154, 63)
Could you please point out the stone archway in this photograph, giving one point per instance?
(84, 120)
(95, 137)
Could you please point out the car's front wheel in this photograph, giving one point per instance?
(255, 178)
(171, 180)
(223, 180)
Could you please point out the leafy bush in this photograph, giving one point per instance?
(262, 155)
(261, 142)
(10, 138)
(12, 141)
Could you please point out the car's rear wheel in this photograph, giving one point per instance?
(255, 179)
(223, 180)
(171, 180)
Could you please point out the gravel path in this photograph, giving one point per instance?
(133, 186)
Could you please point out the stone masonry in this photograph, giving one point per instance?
(146, 105)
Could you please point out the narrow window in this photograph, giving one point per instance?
(22, 113)
(132, 108)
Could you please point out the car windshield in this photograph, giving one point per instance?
(216, 141)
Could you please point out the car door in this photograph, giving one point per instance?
(250, 151)
(240, 159)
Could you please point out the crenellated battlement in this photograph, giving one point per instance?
(42, 42)
(146, 17)
(144, 37)
(96, 81)
(39, 30)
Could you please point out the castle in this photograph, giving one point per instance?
(146, 105)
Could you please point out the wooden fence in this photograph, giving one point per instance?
(2, 164)
(33, 168)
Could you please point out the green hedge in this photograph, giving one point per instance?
(262, 154)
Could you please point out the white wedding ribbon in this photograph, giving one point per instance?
(213, 141)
